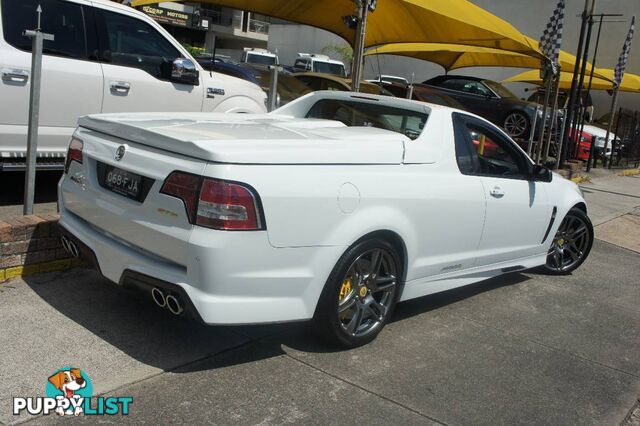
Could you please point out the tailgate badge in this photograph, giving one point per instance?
(120, 152)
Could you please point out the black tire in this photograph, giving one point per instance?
(517, 124)
(572, 238)
(349, 290)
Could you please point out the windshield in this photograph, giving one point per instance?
(252, 58)
(499, 89)
(364, 114)
(329, 68)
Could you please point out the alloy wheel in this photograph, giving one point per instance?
(571, 244)
(516, 124)
(367, 292)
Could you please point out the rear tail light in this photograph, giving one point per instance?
(215, 203)
(74, 153)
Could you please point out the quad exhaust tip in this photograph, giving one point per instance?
(69, 246)
(168, 301)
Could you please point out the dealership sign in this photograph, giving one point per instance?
(167, 16)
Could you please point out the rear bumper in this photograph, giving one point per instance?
(233, 278)
(136, 280)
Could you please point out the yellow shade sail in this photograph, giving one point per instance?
(454, 56)
(396, 21)
(629, 84)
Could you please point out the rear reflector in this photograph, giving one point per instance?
(215, 203)
(74, 153)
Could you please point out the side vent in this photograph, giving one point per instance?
(553, 219)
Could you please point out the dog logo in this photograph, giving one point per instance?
(69, 383)
(120, 152)
(69, 392)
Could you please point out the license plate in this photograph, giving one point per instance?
(123, 182)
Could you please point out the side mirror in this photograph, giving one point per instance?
(184, 71)
(541, 174)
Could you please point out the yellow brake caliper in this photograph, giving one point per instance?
(346, 288)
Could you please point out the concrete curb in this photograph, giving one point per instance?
(31, 245)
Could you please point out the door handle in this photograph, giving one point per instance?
(15, 76)
(497, 192)
(120, 87)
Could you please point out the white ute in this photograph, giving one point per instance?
(333, 207)
(105, 58)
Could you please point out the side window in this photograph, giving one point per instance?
(133, 43)
(300, 63)
(483, 151)
(62, 19)
(476, 88)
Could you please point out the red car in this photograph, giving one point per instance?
(584, 144)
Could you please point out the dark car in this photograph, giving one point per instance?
(490, 100)
(422, 93)
(289, 88)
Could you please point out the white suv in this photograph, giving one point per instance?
(105, 58)
(315, 62)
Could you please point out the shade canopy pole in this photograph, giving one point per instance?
(358, 51)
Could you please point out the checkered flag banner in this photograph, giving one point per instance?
(551, 39)
(371, 4)
(624, 56)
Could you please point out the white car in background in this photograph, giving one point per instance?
(105, 58)
(315, 62)
(333, 207)
(599, 136)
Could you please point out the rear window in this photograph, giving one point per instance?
(62, 19)
(363, 114)
(261, 59)
(329, 68)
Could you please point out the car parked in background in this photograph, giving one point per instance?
(422, 93)
(289, 88)
(582, 145)
(105, 58)
(332, 208)
(563, 102)
(490, 100)
(257, 56)
(315, 62)
(599, 136)
(320, 81)
(389, 79)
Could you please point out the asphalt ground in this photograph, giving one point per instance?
(522, 348)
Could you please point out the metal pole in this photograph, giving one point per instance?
(545, 106)
(559, 143)
(554, 116)
(614, 139)
(273, 87)
(532, 131)
(574, 82)
(593, 68)
(358, 52)
(614, 104)
(37, 41)
(580, 100)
